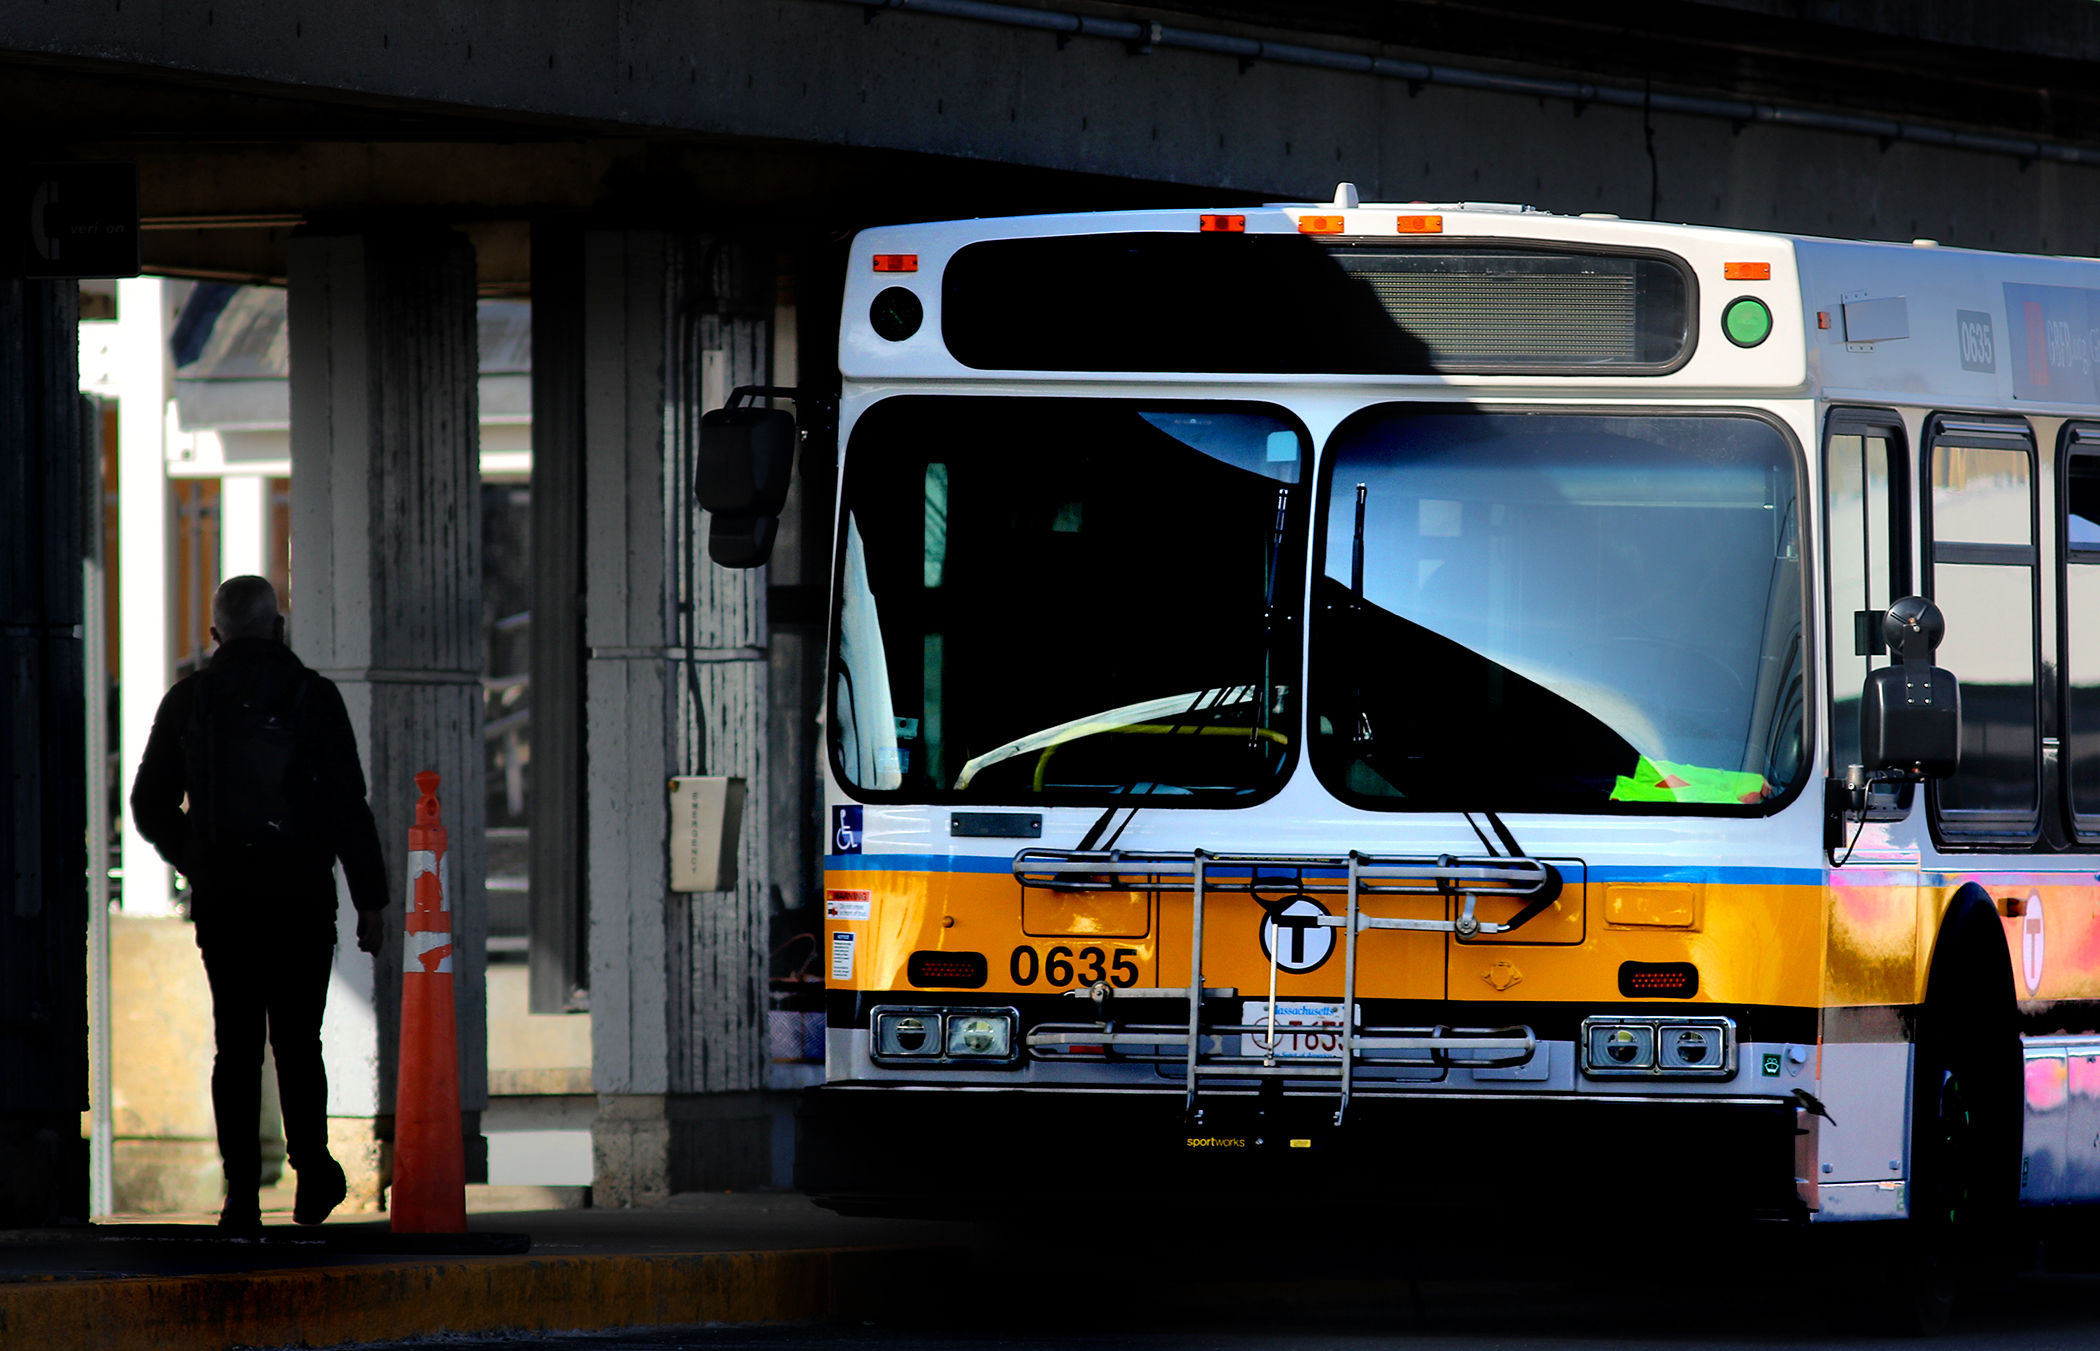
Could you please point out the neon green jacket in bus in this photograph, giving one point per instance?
(1667, 781)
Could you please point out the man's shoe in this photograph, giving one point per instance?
(242, 1215)
(321, 1189)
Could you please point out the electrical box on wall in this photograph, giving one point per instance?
(707, 813)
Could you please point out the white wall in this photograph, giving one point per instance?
(244, 526)
(139, 368)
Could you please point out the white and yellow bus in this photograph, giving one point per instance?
(1363, 703)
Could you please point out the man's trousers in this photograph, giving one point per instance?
(267, 979)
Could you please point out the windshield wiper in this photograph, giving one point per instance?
(1360, 723)
(1356, 549)
(1260, 720)
(1509, 841)
(1502, 833)
(1549, 890)
(1093, 834)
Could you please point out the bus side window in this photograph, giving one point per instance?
(1983, 572)
(1868, 559)
(2080, 493)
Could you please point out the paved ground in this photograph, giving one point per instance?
(1242, 1282)
(2040, 1313)
(1153, 1279)
(699, 1222)
(752, 1258)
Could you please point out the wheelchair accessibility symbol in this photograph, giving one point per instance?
(845, 830)
(1305, 944)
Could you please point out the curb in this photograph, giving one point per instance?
(330, 1306)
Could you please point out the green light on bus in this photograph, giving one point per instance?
(1746, 321)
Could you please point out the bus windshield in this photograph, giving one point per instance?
(1069, 600)
(1558, 612)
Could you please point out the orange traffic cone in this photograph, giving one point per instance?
(430, 1166)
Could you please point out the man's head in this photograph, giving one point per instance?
(245, 607)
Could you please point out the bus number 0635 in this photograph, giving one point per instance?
(1057, 966)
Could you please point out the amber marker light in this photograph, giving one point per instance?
(1231, 225)
(1319, 225)
(1747, 271)
(1420, 225)
(896, 262)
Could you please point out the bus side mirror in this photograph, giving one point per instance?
(741, 474)
(1910, 713)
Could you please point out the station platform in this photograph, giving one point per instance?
(177, 1283)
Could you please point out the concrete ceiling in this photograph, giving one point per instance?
(250, 117)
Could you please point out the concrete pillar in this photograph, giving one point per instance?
(795, 586)
(805, 342)
(560, 970)
(386, 531)
(43, 739)
(144, 672)
(675, 684)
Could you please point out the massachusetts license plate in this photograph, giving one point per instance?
(1303, 1030)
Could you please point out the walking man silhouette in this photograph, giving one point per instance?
(252, 789)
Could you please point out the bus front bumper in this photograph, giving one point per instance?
(910, 1150)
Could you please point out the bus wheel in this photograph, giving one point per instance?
(1965, 1119)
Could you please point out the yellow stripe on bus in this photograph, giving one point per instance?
(1802, 946)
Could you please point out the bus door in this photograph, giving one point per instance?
(1867, 566)
(2079, 608)
(1985, 576)
(1871, 938)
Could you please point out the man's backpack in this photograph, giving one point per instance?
(247, 769)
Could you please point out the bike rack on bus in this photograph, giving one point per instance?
(1458, 880)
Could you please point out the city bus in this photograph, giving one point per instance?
(1363, 705)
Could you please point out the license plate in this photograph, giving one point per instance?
(1303, 1030)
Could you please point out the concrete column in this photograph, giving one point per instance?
(43, 739)
(560, 971)
(627, 714)
(386, 529)
(721, 309)
(805, 329)
(675, 684)
(144, 671)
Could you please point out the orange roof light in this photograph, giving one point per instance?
(896, 262)
(1319, 225)
(1420, 225)
(1229, 224)
(1747, 271)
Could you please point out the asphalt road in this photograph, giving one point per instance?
(1630, 1302)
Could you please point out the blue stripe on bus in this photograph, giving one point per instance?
(1741, 877)
(994, 863)
(919, 863)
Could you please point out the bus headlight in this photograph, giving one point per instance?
(1690, 1048)
(980, 1035)
(908, 1034)
(1617, 1048)
(934, 1038)
(1622, 1046)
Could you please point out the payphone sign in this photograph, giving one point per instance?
(80, 220)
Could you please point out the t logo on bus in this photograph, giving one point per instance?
(1305, 944)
